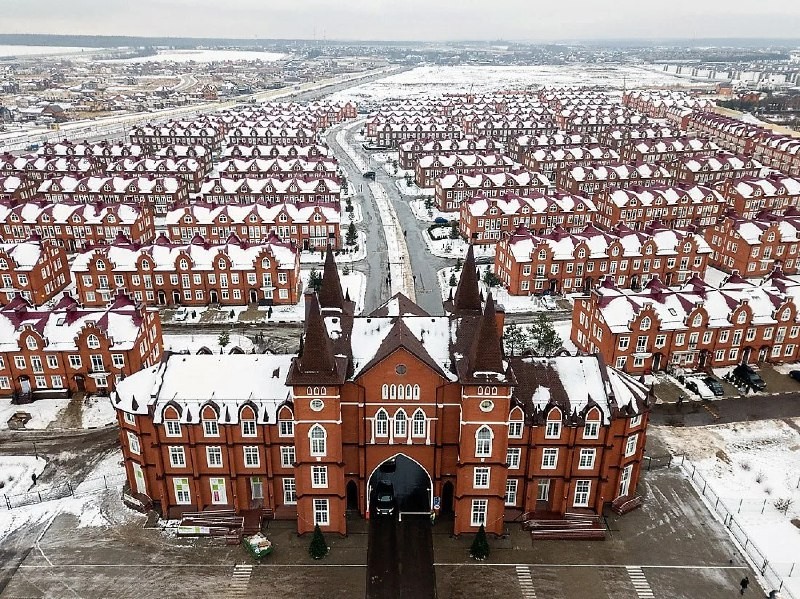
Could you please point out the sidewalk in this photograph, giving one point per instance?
(734, 409)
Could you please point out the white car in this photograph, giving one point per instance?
(181, 314)
(548, 303)
(698, 386)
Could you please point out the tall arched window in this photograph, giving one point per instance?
(400, 423)
(393, 392)
(408, 392)
(385, 392)
(93, 342)
(483, 442)
(418, 423)
(381, 423)
(401, 392)
(416, 391)
(318, 438)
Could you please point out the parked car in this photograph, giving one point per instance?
(696, 385)
(795, 374)
(548, 303)
(440, 220)
(484, 260)
(714, 385)
(181, 314)
(384, 504)
(745, 375)
(369, 175)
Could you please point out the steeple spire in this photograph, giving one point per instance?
(330, 294)
(487, 353)
(317, 356)
(467, 295)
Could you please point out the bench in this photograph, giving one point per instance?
(623, 505)
(575, 534)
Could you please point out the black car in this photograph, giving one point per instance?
(748, 377)
(369, 175)
(384, 503)
(714, 385)
(795, 374)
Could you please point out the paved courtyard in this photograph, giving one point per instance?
(671, 546)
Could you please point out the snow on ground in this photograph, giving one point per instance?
(98, 411)
(413, 190)
(445, 247)
(345, 255)
(202, 56)
(714, 276)
(429, 215)
(40, 50)
(354, 282)
(436, 80)
(16, 472)
(96, 501)
(193, 343)
(42, 411)
(752, 467)
(564, 330)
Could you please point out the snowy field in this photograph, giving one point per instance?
(193, 343)
(42, 411)
(436, 80)
(427, 215)
(98, 411)
(444, 247)
(16, 473)
(354, 283)
(754, 470)
(40, 50)
(204, 56)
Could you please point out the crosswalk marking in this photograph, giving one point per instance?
(640, 584)
(241, 579)
(526, 582)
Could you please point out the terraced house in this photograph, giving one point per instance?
(429, 168)
(751, 195)
(428, 403)
(234, 273)
(562, 262)
(69, 348)
(272, 190)
(35, 269)
(695, 326)
(452, 190)
(411, 151)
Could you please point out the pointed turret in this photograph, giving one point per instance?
(467, 295)
(330, 294)
(317, 356)
(487, 352)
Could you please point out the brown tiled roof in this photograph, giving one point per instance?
(404, 307)
(317, 363)
(467, 294)
(401, 337)
(330, 294)
(486, 354)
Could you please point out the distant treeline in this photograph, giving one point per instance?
(115, 41)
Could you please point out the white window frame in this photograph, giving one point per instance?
(513, 457)
(480, 477)
(318, 450)
(582, 487)
(288, 456)
(587, 458)
(177, 456)
(133, 443)
(322, 513)
(216, 451)
(181, 487)
(172, 428)
(479, 511)
(248, 451)
(631, 445)
(289, 486)
(483, 447)
(549, 458)
(210, 428)
(249, 428)
(510, 498)
(319, 477)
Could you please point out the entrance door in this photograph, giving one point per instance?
(543, 495)
(253, 296)
(162, 298)
(625, 480)
(762, 354)
(176, 297)
(352, 495)
(25, 385)
(138, 479)
(406, 481)
(218, 493)
(80, 382)
(447, 498)
(213, 297)
(553, 286)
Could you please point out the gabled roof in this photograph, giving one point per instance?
(398, 305)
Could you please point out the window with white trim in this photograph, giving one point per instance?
(252, 458)
(552, 429)
(549, 458)
(400, 424)
(173, 428)
(478, 513)
(483, 442)
(515, 429)
(586, 459)
(591, 430)
(287, 456)
(582, 490)
(543, 489)
(177, 457)
(289, 491)
(129, 418)
(321, 512)
(635, 421)
(286, 428)
(182, 494)
(513, 455)
(480, 479)
(511, 492)
(319, 477)
(418, 424)
(630, 445)
(248, 428)
(318, 438)
(256, 488)
(214, 456)
(210, 428)
(133, 443)
(381, 424)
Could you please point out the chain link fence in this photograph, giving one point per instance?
(62, 490)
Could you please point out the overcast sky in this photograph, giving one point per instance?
(406, 19)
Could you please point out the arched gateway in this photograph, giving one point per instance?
(410, 483)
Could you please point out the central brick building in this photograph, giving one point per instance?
(429, 403)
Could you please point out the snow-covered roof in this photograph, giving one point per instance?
(208, 214)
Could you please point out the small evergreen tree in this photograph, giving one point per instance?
(489, 278)
(315, 280)
(545, 340)
(346, 269)
(480, 545)
(344, 185)
(459, 264)
(516, 339)
(224, 339)
(352, 235)
(452, 282)
(409, 181)
(454, 234)
(318, 548)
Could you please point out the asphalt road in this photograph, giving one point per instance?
(400, 559)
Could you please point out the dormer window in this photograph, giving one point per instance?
(31, 343)
(101, 265)
(742, 317)
(645, 324)
(92, 342)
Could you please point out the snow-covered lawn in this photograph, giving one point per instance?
(42, 411)
(194, 342)
(354, 282)
(751, 467)
(413, 190)
(429, 215)
(454, 248)
(16, 473)
(98, 411)
(345, 255)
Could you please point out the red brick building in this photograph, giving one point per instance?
(411, 151)
(282, 168)
(102, 152)
(35, 269)
(227, 191)
(70, 348)
(430, 168)
(198, 274)
(560, 262)
(753, 247)
(452, 190)
(248, 152)
(731, 134)
(667, 149)
(518, 147)
(189, 170)
(204, 132)
(430, 404)
(589, 180)
(673, 206)
(780, 152)
(308, 227)
(485, 220)
(708, 169)
(16, 190)
(695, 326)
(549, 161)
(750, 196)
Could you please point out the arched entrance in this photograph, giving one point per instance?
(748, 351)
(213, 298)
(408, 481)
(176, 297)
(352, 495)
(553, 287)
(80, 382)
(253, 296)
(162, 298)
(447, 499)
